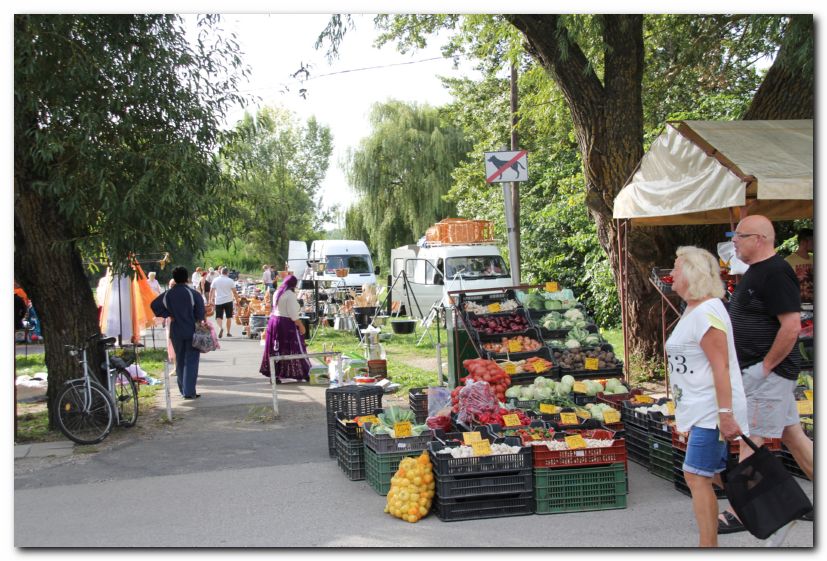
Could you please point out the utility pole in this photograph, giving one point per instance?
(515, 186)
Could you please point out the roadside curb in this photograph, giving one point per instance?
(43, 449)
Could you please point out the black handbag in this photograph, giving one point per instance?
(763, 494)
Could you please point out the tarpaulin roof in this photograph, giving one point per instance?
(696, 171)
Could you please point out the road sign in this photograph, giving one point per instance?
(502, 167)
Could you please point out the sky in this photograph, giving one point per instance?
(341, 93)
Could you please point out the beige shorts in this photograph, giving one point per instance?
(770, 402)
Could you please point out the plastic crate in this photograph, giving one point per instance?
(578, 490)
(380, 468)
(385, 444)
(615, 400)
(632, 417)
(637, 453)
(418, 401)
(470, 317)
(350, 456)
(350, 431)
(660, 458)
(615, 453)
(660, 425)
(679, 479)
(486, 298)
(789, 462)
(445, 465)
(656, 274)
(531, 332)
(452, 510)
(484, 486)
(352, 401)
(527, 378)
(615, 372)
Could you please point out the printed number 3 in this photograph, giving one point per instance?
(677, 364)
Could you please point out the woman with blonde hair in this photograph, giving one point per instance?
(706, 382)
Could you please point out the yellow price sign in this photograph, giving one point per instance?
(512, 420)
(510, 368)
(549, 408)
(575, 442)
(372, 419)
(481, 448)
(514, 346)
(611, 416)
(552, 287)
(805, 407)
(583, 414)
(569, 419)
(643, 399)
(592, 364)
(494, 308)
(471, 437)
(579, 387)
(402, 429)
(670, 407)
(808, 394)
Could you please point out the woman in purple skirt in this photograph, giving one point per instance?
(285, 336)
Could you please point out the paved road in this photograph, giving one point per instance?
(226, 474)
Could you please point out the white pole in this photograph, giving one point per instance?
(273, 385)
(166, 391)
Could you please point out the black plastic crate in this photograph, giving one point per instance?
(350, 456)
(385, 444)
(451, 510)
(789, 462)
(542, 352)
(446, 465)
(632, 419)
(660, 425)
(637, 448)
(680, 481)
(418, 402)
(350, 431)
(351, 400)
(527, 378)
(485, 298)
(656, 275)
(661, 462)
(615, 372)
(484, 486)
(472, 318)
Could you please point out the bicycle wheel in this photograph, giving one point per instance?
(126, 398)
(85, 419)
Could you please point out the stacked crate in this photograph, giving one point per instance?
(636, 426)
(383, 454)
(581, 479)
(418, 401)
(661, 461)
(350, 450)
(351, 401)
(478, 487)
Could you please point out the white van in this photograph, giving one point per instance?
(434, 270)
(297, 258)
(343, 254)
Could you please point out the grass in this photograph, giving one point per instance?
(33, 418)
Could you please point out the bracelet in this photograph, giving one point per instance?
(724, 410)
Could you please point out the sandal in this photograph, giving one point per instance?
(729, 524)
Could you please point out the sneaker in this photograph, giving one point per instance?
(220, 333)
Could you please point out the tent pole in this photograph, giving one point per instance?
(623, 285)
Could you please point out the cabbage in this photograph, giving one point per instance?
(527, 393)
(543, 393)
(573, 314)
(572, 344)
(541, 382)
(568, 380)
(513, 391)
(593, 387)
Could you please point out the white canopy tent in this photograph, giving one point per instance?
(697, 171)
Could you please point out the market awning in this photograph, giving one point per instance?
(696, 171)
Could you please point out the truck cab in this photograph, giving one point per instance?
(326, 256)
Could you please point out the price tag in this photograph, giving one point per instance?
(471, 437)
(670, 407)
(611, 416)
(514, 346)
(402, 429)
(512, 420)
(510, 368)
(808, 394)
(592, 364)
(481, 448)
(575, 442)
(552, 287)
(494, 308)
(805, 407)
(579, 387)
(549, 408)
(569, 419)
(372, 419)
(583, 414)
(643, 399)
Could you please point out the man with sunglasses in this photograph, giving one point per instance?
(765, 313)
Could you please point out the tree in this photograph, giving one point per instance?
(402, 172)
(277, 167)
(116, 125)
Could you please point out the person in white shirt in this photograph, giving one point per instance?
(285, 336)
(196, 276)
(153, 283)
(710, 403)
(223, 295)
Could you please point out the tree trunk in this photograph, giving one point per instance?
(48, 267)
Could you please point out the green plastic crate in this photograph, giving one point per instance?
(380, 468)
(661, 462)
(579, 489)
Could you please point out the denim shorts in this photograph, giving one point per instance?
(706, 454)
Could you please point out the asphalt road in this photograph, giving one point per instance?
(224, 473)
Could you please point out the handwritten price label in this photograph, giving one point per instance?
(514, 346)
(512, 420)
(510, 368)
(805, 407)
(611, 416)
(549, 408)
(552, 287)
(372, 419)
(494, 308)
(670, 407)
(471, 437)
(575, 442)
(579, 387)
(592, 364)
(481, 448)
(643, 399)
(569, 419)
(583, 414)
(402, 429)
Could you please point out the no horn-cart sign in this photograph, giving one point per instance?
(501, 167)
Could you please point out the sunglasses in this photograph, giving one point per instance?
(739, 235)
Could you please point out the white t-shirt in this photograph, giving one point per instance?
(196, 278)
(690, 373)
(267, 277)
(288, 305)
(223, 287)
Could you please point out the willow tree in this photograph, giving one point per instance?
(116, 124)
(402, 171)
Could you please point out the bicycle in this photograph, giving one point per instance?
(84, 409)
(122, 388)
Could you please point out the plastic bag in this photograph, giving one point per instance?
(476, 398)
(439, 401)
(726, 251)
(204, 338)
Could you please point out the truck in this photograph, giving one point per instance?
(326, 256)
(434, 270)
